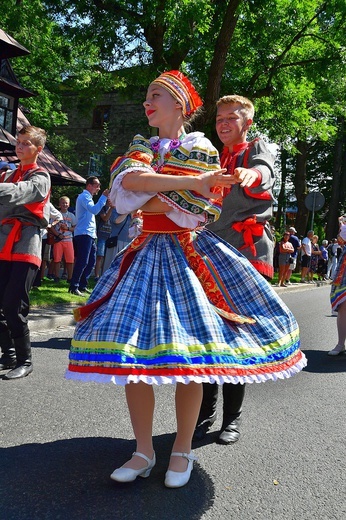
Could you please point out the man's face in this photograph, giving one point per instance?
(26, 150)
(231, 124)
(94, 188)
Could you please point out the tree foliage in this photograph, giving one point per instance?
(286, 55)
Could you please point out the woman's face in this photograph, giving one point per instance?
(286, 236)
(160, 106)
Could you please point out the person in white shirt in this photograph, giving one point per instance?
(306, 255)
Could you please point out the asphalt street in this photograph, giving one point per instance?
(60, 440)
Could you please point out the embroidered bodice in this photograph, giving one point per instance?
(192, 155)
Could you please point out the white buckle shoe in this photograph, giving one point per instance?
(175, 479)
(339, 349)
(129, 475)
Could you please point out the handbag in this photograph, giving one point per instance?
(113, 241)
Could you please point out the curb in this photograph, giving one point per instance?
(49, 318)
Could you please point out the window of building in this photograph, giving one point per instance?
(101, 116)
(6, 112)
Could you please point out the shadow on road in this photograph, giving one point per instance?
(320, 363)
(56, 343)
(69, 479)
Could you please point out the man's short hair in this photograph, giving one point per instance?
(247, 110)
(92, 179)
(37, 135)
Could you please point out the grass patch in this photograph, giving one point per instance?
(55, 293)
(295, 278)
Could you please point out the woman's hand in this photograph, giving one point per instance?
(208, 180)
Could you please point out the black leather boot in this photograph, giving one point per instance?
(229, 433)
(8, 358)
(23, 353)
(233, 396)
(207, 414)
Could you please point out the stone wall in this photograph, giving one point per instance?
(126, 118)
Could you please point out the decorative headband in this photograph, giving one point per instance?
(181, 88)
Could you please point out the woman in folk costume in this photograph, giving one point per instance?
(178, 305)
(338, 292)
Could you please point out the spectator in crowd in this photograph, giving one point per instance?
(54, 217)
(306, 255)
(119, 236)
(6, 170)
(294, 240)
(85, 235)
(63, 247)
(334, 251)
(24, 211)
(323, 261)
(103, 232)
(315, 255)
(338, 293)
(244, 223)
(136, 225)
(286, 249)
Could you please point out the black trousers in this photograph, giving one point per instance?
(233, 396)
(16, 279)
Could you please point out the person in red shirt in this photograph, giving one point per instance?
(24, 211)
(244, 224)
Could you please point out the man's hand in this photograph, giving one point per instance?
(105, 193)
(244, 176)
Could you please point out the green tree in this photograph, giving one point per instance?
(54, 59)
(286, 55)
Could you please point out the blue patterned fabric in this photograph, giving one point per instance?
(158, 325)
(338, 288)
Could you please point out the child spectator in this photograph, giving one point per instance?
(63, 230)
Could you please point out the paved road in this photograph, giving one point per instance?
(61, 440)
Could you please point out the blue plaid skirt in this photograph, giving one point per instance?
(154, 317)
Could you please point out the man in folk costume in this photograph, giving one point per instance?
(246, 210)
(24, 211)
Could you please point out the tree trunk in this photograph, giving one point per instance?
(337, 200)
(218, 62)
(280, 219)
(301, 188)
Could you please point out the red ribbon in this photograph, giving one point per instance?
(13, 236)
(250, 228)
